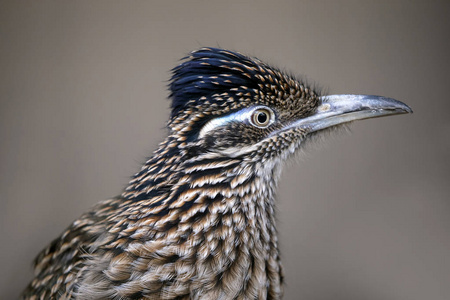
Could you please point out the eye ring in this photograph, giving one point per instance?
(261, 117)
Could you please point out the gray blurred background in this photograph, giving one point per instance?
(365, 215)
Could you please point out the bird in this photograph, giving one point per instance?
(198, 220)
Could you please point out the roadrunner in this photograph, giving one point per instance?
(198, 220)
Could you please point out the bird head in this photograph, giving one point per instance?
(226, 103)
(232, 110)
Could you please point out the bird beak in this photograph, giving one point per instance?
(339, 109)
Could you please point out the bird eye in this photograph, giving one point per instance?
(261, 117)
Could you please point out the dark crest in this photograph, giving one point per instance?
(209, 71)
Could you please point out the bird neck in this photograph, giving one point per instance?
(175, 182)
(175, 171)
(220, 208)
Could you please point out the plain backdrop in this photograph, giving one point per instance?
(366, 215)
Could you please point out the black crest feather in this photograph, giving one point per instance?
(210, 71)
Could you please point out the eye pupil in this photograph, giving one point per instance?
(262, 117)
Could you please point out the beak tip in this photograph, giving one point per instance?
(405, 108)
(390, 103)
(409, 110)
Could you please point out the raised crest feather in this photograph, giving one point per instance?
(210, 71)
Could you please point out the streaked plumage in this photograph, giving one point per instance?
(198, 220)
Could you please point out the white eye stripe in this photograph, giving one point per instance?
(243, 115)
